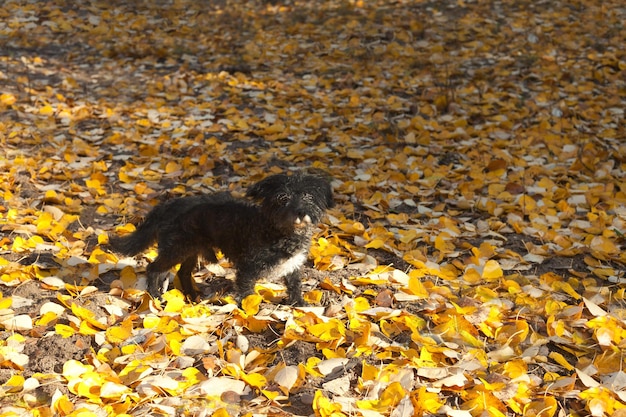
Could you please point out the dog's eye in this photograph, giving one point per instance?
(283, 198)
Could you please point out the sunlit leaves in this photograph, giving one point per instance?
(472, 264)
(11, 355)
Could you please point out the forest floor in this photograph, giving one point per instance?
(473, 264)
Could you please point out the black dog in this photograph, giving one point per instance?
(268, 237)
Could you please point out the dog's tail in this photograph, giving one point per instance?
(139, 240)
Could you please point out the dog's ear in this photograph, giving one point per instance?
(328, 195)
(322, 189)
(267, 186)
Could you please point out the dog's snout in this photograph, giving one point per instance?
(302, 218)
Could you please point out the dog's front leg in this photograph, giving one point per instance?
(157, 272)
(294, 288)
(157, 283)
(244, 284)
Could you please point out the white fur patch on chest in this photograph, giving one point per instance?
(287, 266)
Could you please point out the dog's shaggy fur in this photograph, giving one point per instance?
(265, 236)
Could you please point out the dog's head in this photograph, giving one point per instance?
(293, 201)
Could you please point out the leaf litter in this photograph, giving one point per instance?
(473, 264)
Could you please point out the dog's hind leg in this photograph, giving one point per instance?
(186, 279)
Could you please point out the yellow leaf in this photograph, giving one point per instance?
(414, 323)
(604, 273)
(64, 330)
(354, 101)
(113, 390)
(480, 401)
(134, 371)
(220, 412)
(361, 304)
(485, 251)
(172, 167)
(371, 279)
(544, 407)
(274, 128)
(46, 110)
(604, 246)
(251, 304)
(326, 247)
(166, 325)
(126, 228)
(74, 369)
(495, 386)
(415, 285)
(472, 275)
(271, 395)
(61, 405)
(512, 334)
(311, 367)
(331, 330)
(471, 339)
(407, 236)
(353, 228)
(46, 318)
(19, 244)
(389, 398)
(369, 372)
(121, 333)
(7, 99)
(492, 270)
(527, 203)
(426, 402)
(193, 376)
(560, 359)
(93, 183)
(14, 384)
(98, 256)
(5, 302)
(375, 244)
(444, 243)
(313, 297)
(486, 294)
(150, 322)
(254, 380)
(175, 301)
(515, 368)
(86, 329)
(324, 407)
(241, 124)
(128, 276)
(600, 401)
(88, 316)
(567, 288)
(103, 239)
(88, 385)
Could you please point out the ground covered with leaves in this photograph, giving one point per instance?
(473, 264)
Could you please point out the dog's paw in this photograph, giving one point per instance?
(157, 285)
(296, 302)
